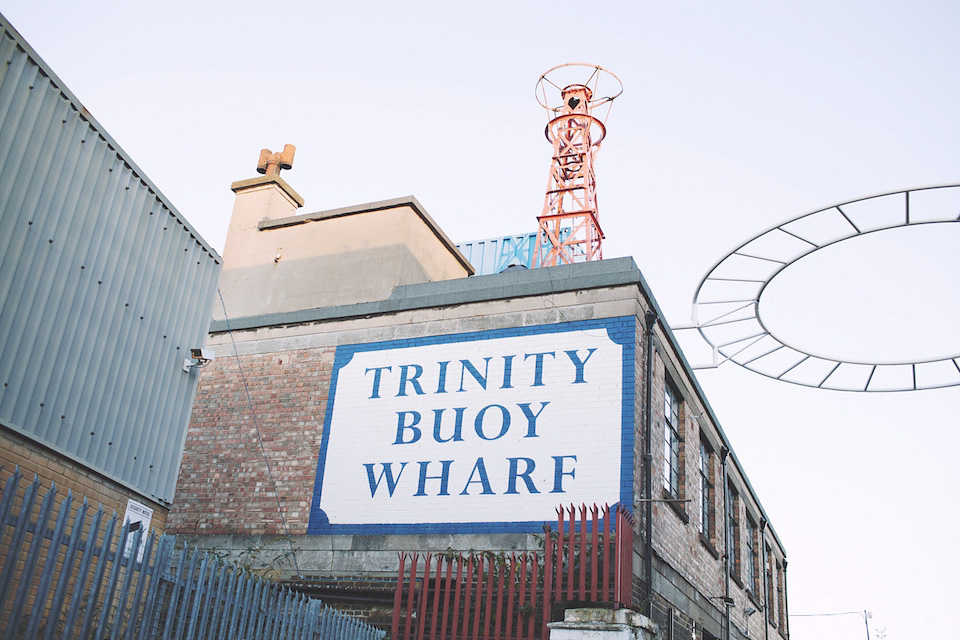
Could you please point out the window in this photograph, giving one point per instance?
(781, 605)
(671, 441)
(771, 609)
(706, 491)
(733, 531)
(750, 567)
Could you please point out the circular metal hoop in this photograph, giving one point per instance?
(603, 85)
(729, 295)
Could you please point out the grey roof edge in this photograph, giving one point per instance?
(513, 283)
(86, 115)
(446, 293)
(368, 207)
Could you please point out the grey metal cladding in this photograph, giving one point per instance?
(104, 288)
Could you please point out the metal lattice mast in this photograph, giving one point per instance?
(569, 226)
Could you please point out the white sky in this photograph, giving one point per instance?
(735, 116)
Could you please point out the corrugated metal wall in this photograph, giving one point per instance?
(493, 255)
(104, 287)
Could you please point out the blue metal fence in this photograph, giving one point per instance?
(73, 575)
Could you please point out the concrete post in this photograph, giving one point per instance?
(603, 624)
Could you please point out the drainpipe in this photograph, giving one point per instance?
(786, 604)
(763, 570)
(651, 321)
(724, 452)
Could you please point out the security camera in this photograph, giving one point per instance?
(199, 358)
(203, 354)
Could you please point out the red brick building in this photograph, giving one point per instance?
(369, 397)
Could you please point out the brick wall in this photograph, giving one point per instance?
(224, 486)
(52, 468)
(224, 483)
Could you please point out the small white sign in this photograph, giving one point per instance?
(139, 517)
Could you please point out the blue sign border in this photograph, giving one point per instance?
(621, 330)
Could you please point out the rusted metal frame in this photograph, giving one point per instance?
(489, 599)
(608, 555)
(625, 552)
(398, 596)
(558, 559)
(571, 549)
(424, 595)
(583, 551)
(556, 217)
(455, 633)
(501, 576)
(448, 587)
(478, 599)
(410, 594)
(467, 599)
(595, 552)
(534, 584)
(436, 597)
(511, 591)
(548, 562)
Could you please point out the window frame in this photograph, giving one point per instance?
(672, 441)
(750, 577)
(707, 510)
(733, 532)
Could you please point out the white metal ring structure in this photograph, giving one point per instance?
(726, 305)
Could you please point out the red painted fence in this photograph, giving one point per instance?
(488, 596)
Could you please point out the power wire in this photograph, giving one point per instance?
(256, 425)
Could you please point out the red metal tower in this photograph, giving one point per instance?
(569, 228)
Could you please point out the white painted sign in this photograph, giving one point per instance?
(140, 516)
(495, 427)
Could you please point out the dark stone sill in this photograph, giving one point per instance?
(710, 548)
(676, 506)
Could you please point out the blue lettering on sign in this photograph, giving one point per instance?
(478, 469)
(386, 470)
(579, 364)
(444, 478)
(524, 475)
(558, 472)
(513, 473)
(403, 426)
(377, 372)
(405, 379)
(457, 425)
